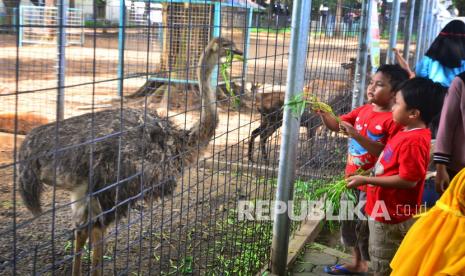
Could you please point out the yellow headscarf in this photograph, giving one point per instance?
(435, 245)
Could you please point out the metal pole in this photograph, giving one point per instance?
(121, 42)
(295, 81)
(420, 32)
(409, 29)
(424, 42)
(216, 33)
(247, 42)
(362, 55)
(432, 29)
(61, 74)
(428, 25)
(394, 26)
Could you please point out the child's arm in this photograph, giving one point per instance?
(393, 181)
(329, 120)
(373, 147)
(400, 59)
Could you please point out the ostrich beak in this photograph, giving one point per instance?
(236, 51)
(236, 54)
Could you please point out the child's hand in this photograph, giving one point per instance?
(348, 129)
(442, 178)
(321, 112)
(355, 181)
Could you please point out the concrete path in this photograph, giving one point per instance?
(315, 258)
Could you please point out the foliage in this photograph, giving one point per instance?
(460, 5)
(98, 23)
(297, 105)
(245, 247)
(271, 30)
(225, 69)
(332, 4)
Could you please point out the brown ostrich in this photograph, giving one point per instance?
(108, 158)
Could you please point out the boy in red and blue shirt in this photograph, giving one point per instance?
(394, 192)
(369, 127)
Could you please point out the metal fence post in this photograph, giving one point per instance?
(121, 46)
(424, 42)
(62, 10)
(362, 56)
(409, 29)
(432, 29)
(420, 32)
(287, 156)
(393, 28)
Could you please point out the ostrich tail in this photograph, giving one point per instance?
(30, 189)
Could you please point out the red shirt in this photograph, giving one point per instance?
(407, 155)
(378, 126)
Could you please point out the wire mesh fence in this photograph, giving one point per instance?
(149, 178)
(33, 22)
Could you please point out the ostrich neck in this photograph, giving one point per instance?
(204, 128)
(208, 95)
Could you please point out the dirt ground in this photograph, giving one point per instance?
(156, 238)
(189, 225)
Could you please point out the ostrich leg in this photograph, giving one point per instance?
(79, 241)
(97, 234)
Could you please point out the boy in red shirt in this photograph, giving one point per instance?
(394, 192)
(369, 127)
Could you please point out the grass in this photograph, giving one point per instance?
(271, 30)
(244, 247)
(86, 253)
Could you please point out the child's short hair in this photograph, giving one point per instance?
(425, 95)
(397, 75)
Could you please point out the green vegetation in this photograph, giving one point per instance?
(271, 30)
(297, 105)
(86, 253)
(225, 70)
(332, 193)
(244, 247)
(98, 24)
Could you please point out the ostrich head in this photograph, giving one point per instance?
(222, 46)
(217, 48)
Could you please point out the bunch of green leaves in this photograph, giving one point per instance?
(225, 70)
(331, 195)
(297, 104)
(333, 192)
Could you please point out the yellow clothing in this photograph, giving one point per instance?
(435, 245)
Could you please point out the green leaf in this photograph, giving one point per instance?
(297, 105)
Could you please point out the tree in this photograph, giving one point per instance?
(460, 5)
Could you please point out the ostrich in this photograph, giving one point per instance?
(129, 154)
